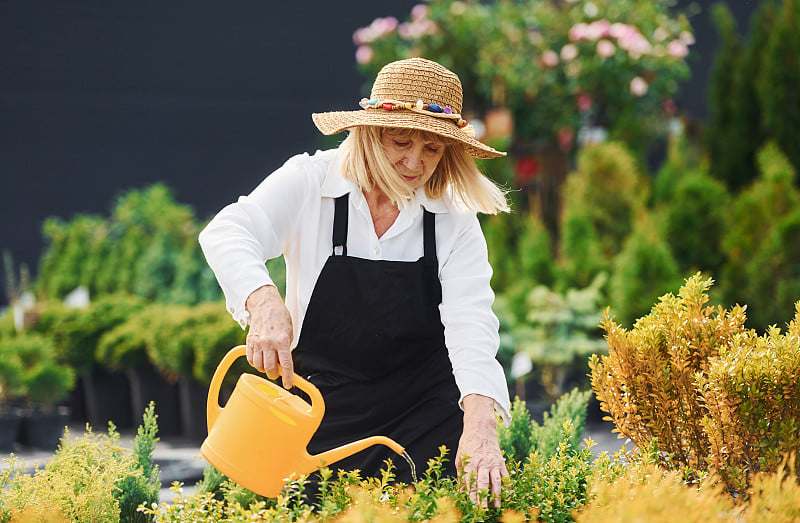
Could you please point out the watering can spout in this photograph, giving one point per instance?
(339, 453)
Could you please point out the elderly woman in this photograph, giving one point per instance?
(388, 303)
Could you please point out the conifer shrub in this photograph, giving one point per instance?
(77, 332)
(90, 478)
(602, 199)
(712, 396)
(557, 332)
(760, 233)
(642, 271)
(695, 221)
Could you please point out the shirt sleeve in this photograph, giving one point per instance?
(470, 325)
(244, 235)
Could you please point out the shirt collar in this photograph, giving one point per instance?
(335, 185)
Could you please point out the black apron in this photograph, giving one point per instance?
(373, 343)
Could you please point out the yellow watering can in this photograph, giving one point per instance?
(260, 437)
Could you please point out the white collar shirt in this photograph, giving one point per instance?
(290, 213)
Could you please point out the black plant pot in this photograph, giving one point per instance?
(193, 397)
(147, 384)
(107, 398)
(10, 421)
(43, 429)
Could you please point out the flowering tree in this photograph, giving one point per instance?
(544, 76)
(558, 66)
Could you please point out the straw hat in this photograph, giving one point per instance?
(413, 94)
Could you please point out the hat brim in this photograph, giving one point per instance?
(337, 121)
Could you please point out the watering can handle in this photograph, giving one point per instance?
(213, 409)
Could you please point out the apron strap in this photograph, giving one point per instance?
(429, 240)
(340, 224)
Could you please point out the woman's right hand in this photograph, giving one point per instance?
(269, 341)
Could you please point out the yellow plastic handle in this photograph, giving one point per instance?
(213, 409)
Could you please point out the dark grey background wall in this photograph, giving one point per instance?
(98, 97)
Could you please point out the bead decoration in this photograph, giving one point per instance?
(431, 109)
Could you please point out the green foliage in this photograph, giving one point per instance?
(77, 332)
(148, 246)
(643, 270)
(601, 201)
(760, 238)
(549, 488)
(136, 489)
(88, 479)
(778, 79)
(47, 383)
(524, 436)
(11, 371)
(753, 99)
(66, 262)
(29, 370)
(695, 221)
(559, 331)
(733, 133)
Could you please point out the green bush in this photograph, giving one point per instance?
(30, 371)
(47, 383)
(90, 478)
(643, 270)
(77, 332)
(524, 436)
(602, 199)
(11, 372)
(696, 218)
(759, 235)
(558, 332)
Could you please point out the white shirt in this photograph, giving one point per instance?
(291, 213)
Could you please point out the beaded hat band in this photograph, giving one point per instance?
(412, 94)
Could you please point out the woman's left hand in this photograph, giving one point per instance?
(485, 467)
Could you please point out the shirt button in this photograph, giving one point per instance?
(377, 250)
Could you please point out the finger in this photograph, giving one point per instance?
(483, 483)
(287, 367)
(254, 355)
(496, 479)
(271, 364)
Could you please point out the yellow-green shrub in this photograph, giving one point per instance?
(711, 395)
(752, 393)
(647, 493)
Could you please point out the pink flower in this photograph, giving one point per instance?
(638, 86)
(584, 102)
(677, 49)
(549, 58)
(358, 36)
(578, 32)
(363, 54)
(419, 12)
(598, 29)
(605, 49)
(417, 28)
(569, 52)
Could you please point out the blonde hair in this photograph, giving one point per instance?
(456, 177)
